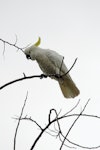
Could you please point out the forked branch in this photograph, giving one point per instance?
(58, 130)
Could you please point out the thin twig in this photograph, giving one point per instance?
(61, 66)
(14, 45)
(53, 131)
(81, 146)
(73, 125)
(30, 119)
(78, 145)
(15, 136)
(70, 68)
(15, 40)
(59, 129)
(72, 108)
(66, 144)
(4, 49)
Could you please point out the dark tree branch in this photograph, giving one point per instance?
(58, 131)
(20, 79)
(37, 76)
(60, 118)
(70, 68)
(40, 135)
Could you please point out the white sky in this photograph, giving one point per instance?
(70, 27)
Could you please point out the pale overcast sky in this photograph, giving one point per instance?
(70, 27)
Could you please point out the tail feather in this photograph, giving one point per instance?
(68, 88)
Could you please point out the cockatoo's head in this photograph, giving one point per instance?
(28, 51)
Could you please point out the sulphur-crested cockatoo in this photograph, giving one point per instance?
(51, 63)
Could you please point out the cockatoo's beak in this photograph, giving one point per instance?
(28, 57)
(27, 51)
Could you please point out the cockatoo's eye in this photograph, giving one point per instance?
(28, 57)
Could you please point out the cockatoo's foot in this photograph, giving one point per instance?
(58, 76)
(43, 76)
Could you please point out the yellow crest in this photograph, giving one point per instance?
(38, 42)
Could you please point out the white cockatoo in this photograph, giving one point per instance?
(51, 63)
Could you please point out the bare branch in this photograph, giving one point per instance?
(65, 137)
(19, 121)
(39, 136)
(72, 108)
(58, 133)
(78, 145)
(37, 76)
(20, 79)
(73, 125)
(14, 45)
(29, 119)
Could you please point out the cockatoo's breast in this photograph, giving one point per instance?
(50, 62)
(46, 64)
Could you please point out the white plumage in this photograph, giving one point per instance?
(51, 63)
